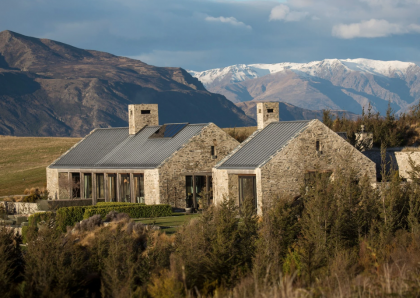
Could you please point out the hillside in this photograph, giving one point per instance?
(23, 161)
(289, 112)
(48, 88)
(329, 84)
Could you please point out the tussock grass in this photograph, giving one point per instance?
(23, 161)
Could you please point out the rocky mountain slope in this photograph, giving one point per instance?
(290, 112)
(329, 84)
(48, 88)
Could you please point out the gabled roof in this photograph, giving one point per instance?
(109, 148)
(263, 144)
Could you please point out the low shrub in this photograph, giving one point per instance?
(106, 204)
(133, 210)
(33, 198)
(31, 229)
(68, 216)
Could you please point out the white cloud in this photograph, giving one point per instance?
(283, 13)
(371, 29)
(230, 20)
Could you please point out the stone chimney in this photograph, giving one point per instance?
(267, 112)
(141, 115)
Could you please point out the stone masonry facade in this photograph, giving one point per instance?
(301, 156)
(193, 158)
(283, 174)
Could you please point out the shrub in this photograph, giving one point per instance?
(68, 216)
(11, 265)
(133, 210)
(33, 198)
(103, 204)
(29, 232)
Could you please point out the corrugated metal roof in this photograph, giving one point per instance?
(115, 148)
(264, 144)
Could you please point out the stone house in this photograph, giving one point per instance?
(143, 163)
(279, 155)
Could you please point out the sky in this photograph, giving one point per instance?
(206, 34)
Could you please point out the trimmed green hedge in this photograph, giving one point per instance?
(106, 204)
(68, 216)
(35, 218)
(133, 210)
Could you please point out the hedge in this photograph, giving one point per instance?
(68, 216)
(133, 210)
(106, 204)
(34, 219)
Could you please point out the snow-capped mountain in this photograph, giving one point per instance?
(348, 84)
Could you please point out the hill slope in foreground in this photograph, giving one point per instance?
(48, 88)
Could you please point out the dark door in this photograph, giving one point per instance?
(247, 190)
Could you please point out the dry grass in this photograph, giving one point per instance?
(240, 133)
(23, 161)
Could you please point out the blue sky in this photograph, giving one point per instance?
(204, 34)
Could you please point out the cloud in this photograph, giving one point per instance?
(371, 29)
(283, 13)
(230, 20)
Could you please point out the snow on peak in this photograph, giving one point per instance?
(243, 72)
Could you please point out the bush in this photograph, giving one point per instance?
(105, 204)
(29, 231)
(68, 216)
(133, 210)
(31, 198)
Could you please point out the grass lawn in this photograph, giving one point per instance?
(169, 224)
(23, 161)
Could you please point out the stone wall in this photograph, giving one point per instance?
(151, 187)
(194, 157)
(284, 173)
(402, 159)
(52, 183)
(137, 120)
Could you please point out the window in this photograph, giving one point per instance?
(112, 188)
(131, 112)
(318, 146)
(100, 186)
(125, 188)
(270, 110)
(75, 179)
(259, 111)
(247, 191)
(212, 151)
(88, 186)
(145, 111)
(199, 191)
(139, 188)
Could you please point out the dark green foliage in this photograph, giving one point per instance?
(33, 198)
(133, 210)
(68, 216)
(55, 267)
(389, 131)
(11, 265)
(30, 232)
(103, 204)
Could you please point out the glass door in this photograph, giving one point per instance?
(112, 188)
(75, 179)
(125, 188)
(247, 191)
(100, 186)
(139, 188)
(88, 186)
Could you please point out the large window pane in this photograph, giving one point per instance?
(190, 191)
(112, 188)
(200, 190)
(139, 188)
(100, 186)
(75, 178)
(125, 188)
(247, 191)
(88, 186)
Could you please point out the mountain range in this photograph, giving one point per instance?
(48, 88)
(347, 84)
